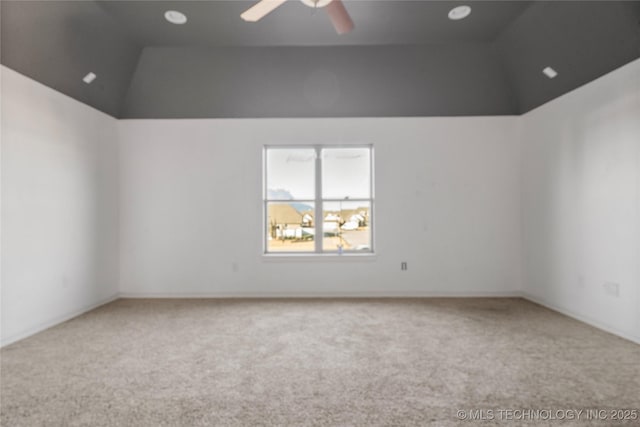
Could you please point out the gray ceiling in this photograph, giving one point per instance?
(404, 58)
(218, 23)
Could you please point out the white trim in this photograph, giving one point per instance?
(318, 206)
(55, 321)
(584, 319)
(318, 201)
(349, 256)
(287, 294)
(356, 294)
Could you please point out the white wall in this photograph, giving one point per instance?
(447, 203)
(185, 216)
(581, 202)
(59, 207)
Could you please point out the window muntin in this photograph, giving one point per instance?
(331, 183)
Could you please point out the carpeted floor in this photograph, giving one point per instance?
(346, 362)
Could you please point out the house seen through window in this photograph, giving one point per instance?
(318, 199)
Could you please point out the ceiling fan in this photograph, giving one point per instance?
(337, 13)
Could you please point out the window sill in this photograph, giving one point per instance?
(292, 257)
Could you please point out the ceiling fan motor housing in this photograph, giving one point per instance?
(316, 3)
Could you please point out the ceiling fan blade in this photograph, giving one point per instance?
(339, 17)
(260, 9)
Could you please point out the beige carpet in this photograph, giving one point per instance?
(396, 362)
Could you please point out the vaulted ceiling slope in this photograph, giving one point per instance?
(404, 58)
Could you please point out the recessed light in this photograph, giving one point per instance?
(550, 72)
(89, 78)
(175, 17)
(459, 12)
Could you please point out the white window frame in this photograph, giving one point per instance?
(318, 203)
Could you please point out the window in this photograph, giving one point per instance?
(318, 199)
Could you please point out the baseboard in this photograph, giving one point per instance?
(55, 321)
(288, 294)
(381, 294)
(581, 318)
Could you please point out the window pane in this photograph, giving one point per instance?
(346, 173)
(290, 173)
(346, 225)
(290, 227)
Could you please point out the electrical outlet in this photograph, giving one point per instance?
(612, 289)
(403, 265)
